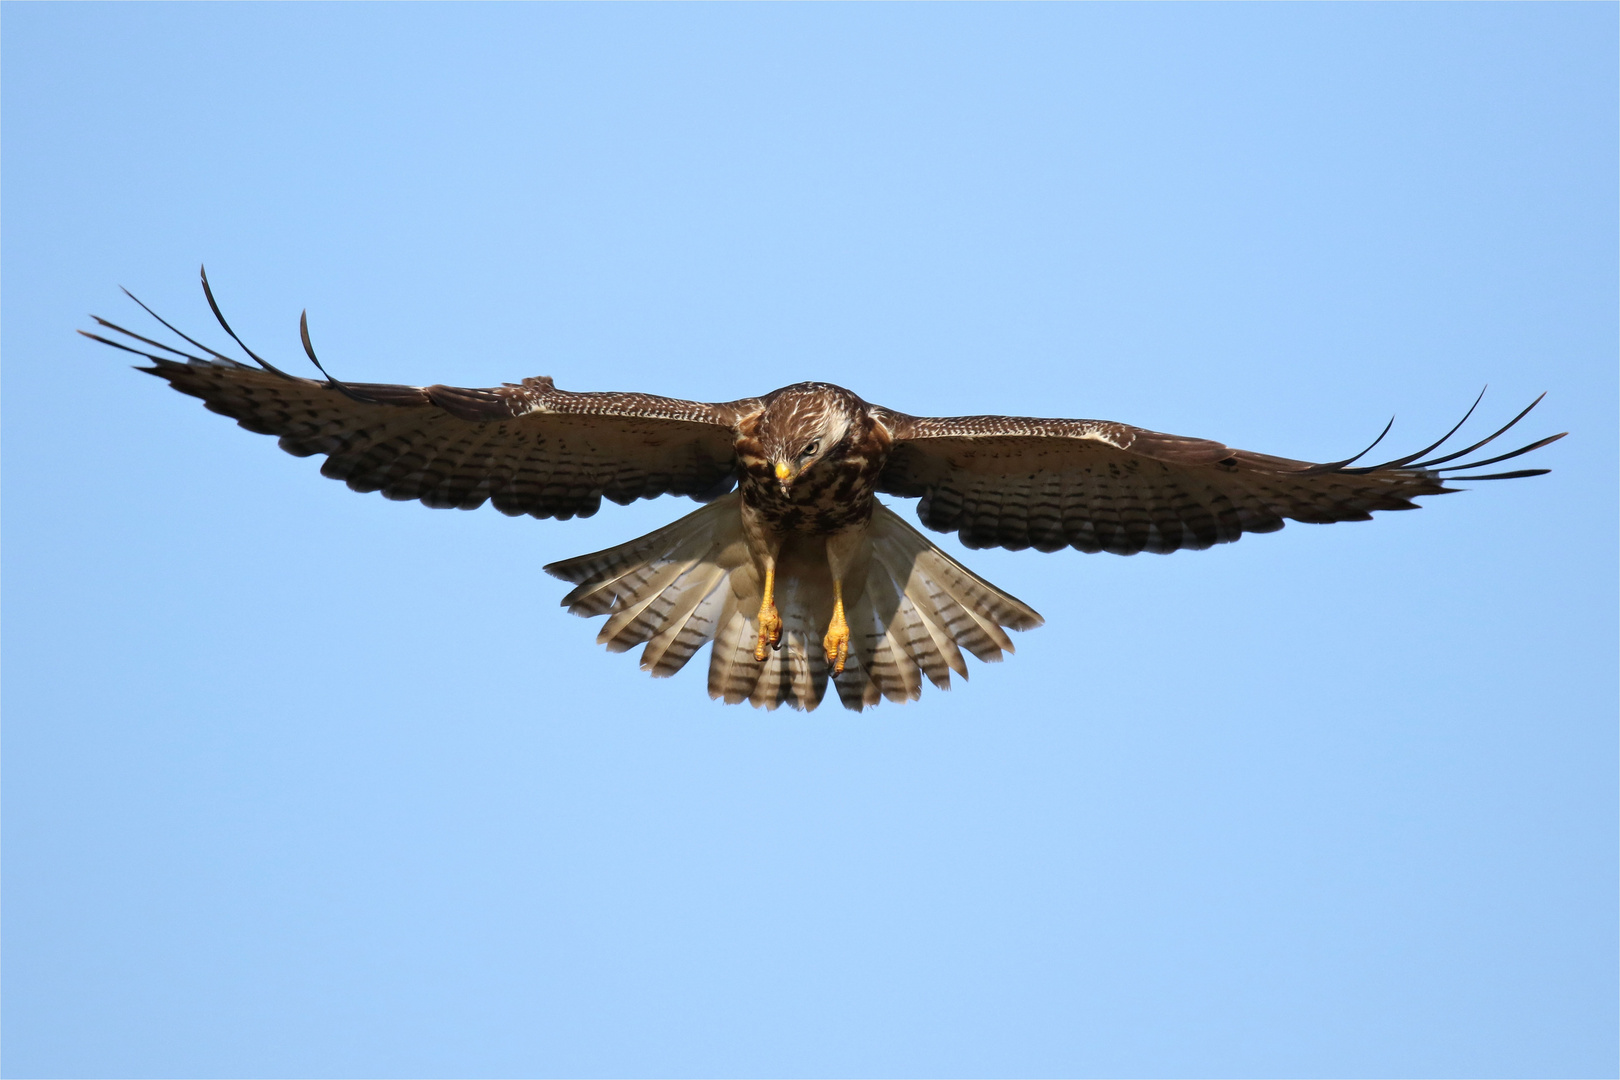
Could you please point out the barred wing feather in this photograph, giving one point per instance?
(1020, 482)
(527, 448)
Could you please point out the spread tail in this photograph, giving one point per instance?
(911, 609)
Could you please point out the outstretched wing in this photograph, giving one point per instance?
(528, 447)
(1019, 482)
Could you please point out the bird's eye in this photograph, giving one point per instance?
(808, 450)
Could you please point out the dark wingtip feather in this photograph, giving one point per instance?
(105, 341)
(1410, 461)
(1537, 445)
(1487, 439)
(309, 350)
(132, 335)
(119, 345)
(1514, 475)
(1335, 466)
(215, 353)
(257, 359)
(1409, 458)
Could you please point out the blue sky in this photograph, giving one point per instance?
(303, 782)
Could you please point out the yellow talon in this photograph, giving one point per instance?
(770, 630)
(770, 622)
(837, 640)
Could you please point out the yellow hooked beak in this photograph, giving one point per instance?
(784, 471)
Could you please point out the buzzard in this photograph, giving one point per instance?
(792, 568)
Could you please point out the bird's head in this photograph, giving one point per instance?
(804, 424)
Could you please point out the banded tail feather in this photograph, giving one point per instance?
(912, 610)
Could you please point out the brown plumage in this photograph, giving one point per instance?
(802, 545)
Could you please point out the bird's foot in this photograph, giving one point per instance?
(837, 641)
(770, 630)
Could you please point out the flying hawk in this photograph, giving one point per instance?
(793, 568)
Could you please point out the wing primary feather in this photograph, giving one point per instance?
(1537, 445)
(1514, 475)
(1335, 466)
(215, 353)
(309, 350)
(126, 348)
(1409, 458)
(145, 340)
(257, 359)
(1469, 450)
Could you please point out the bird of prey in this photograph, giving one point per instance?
(792, 568)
